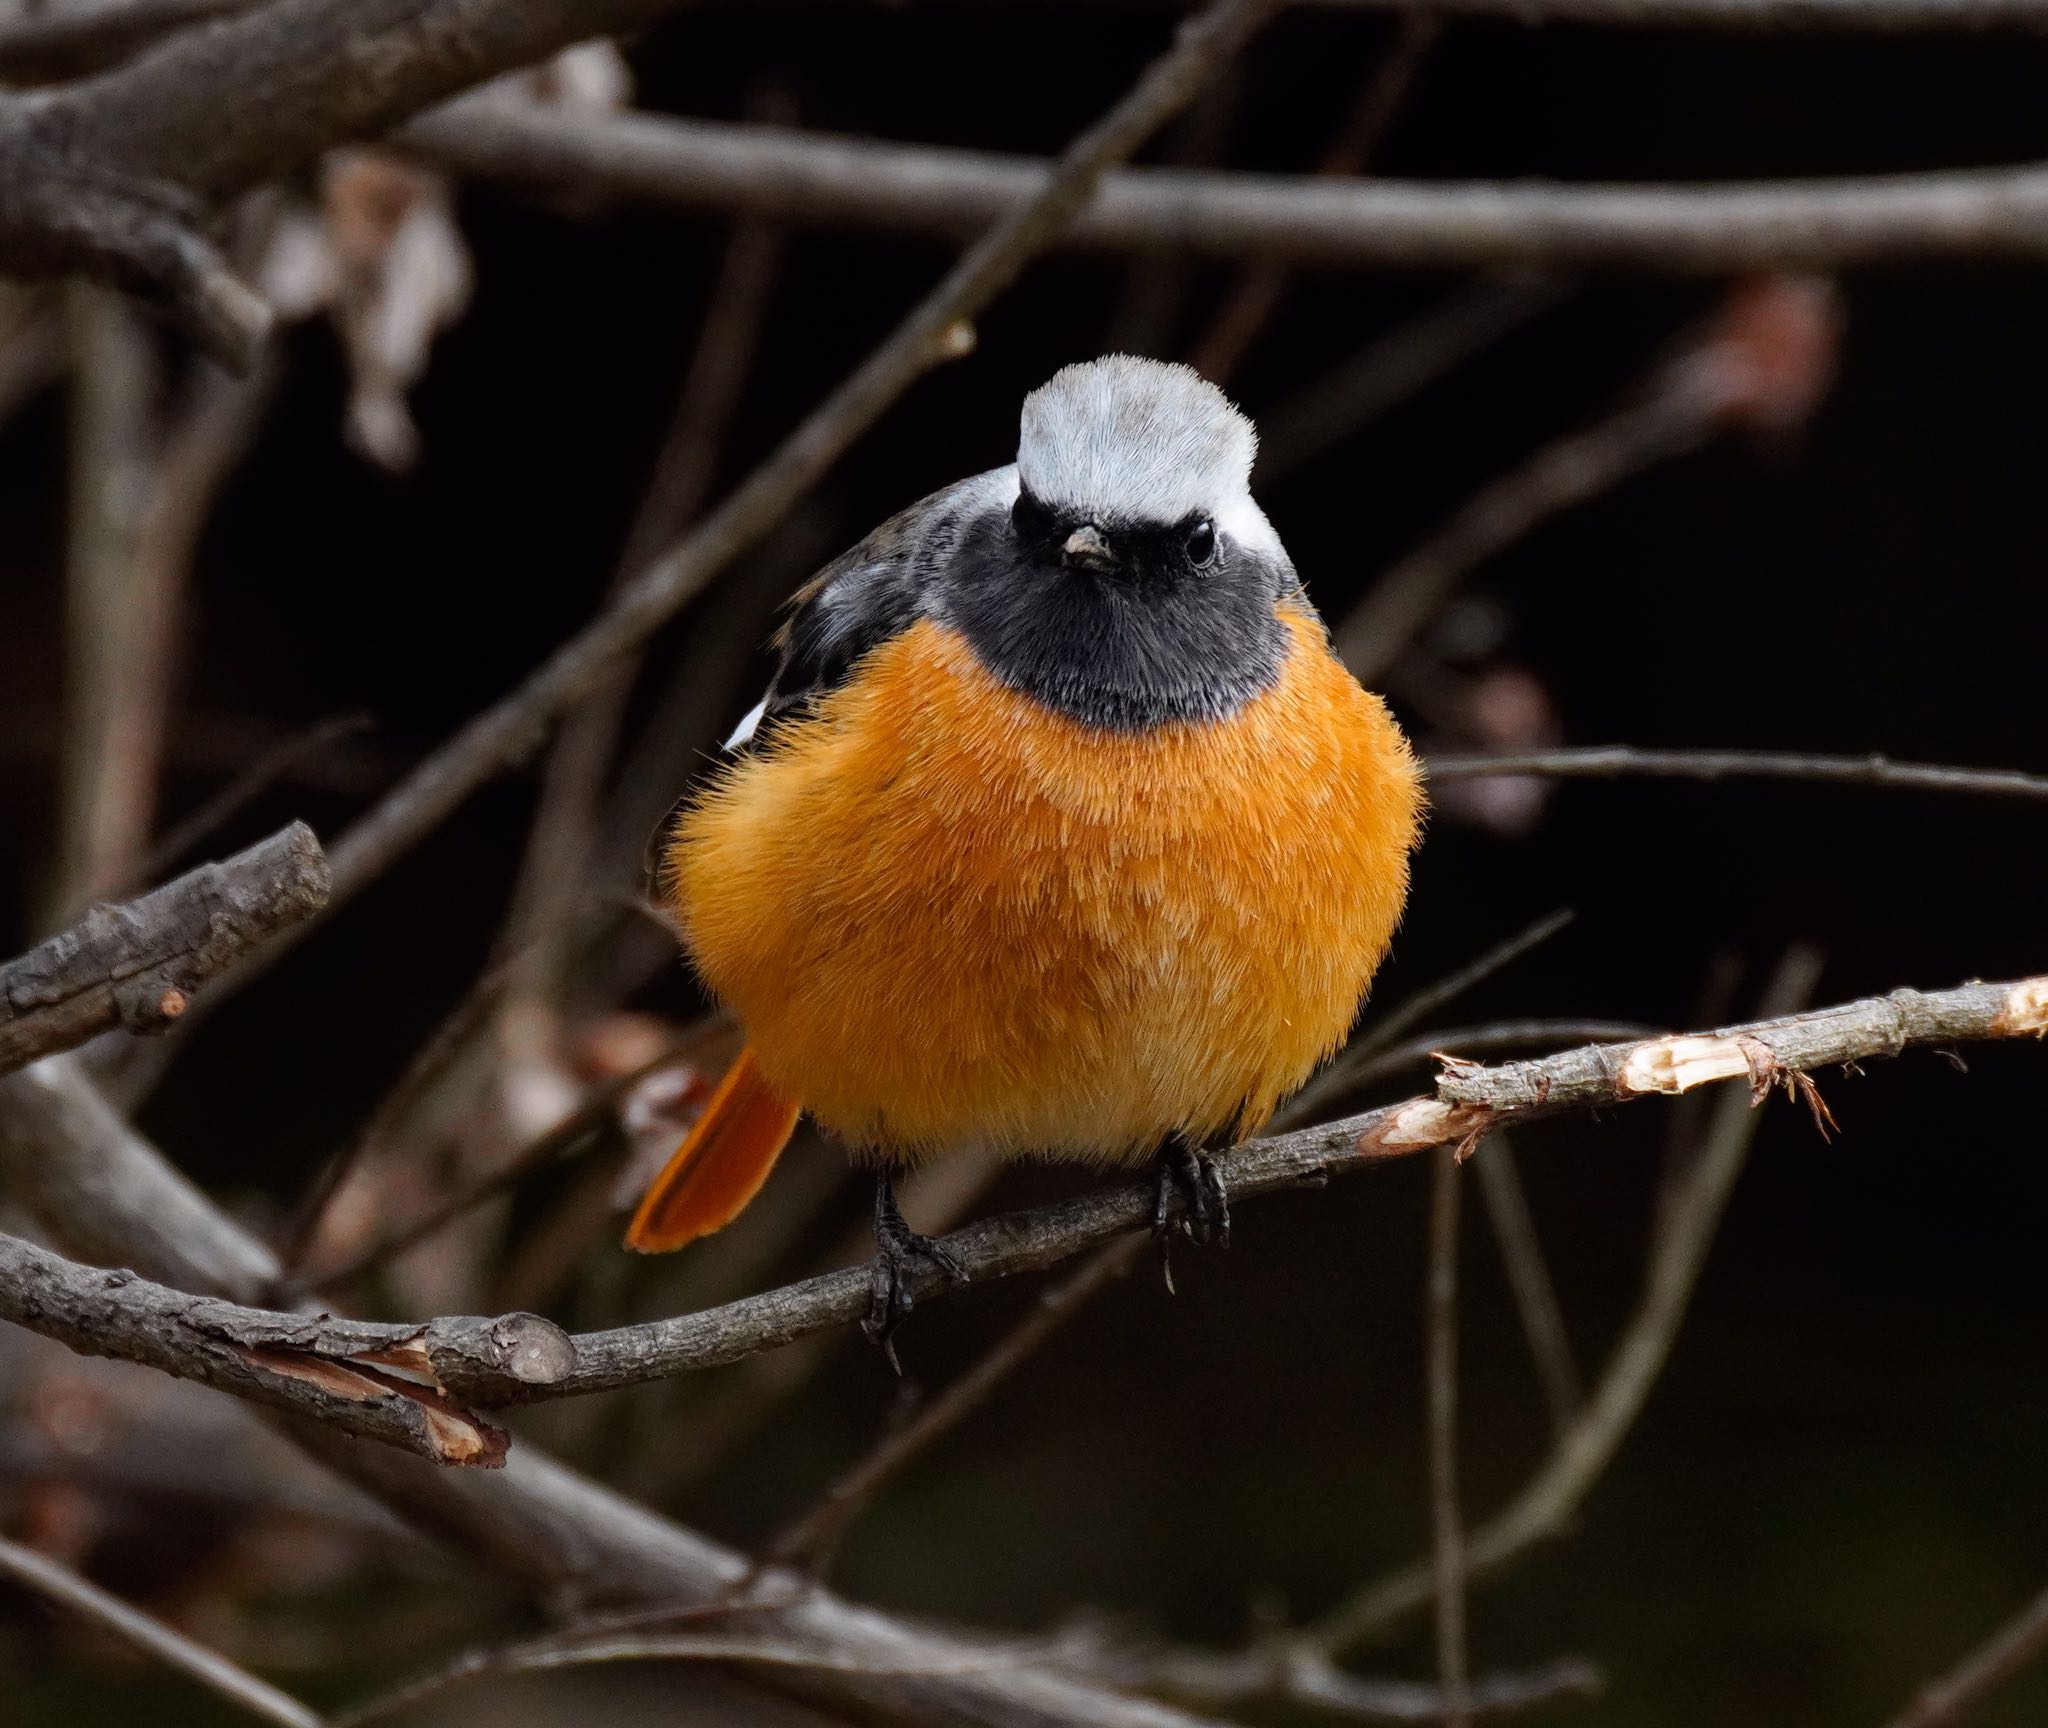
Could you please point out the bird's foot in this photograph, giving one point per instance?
(902, 1255)
(1203, 1211)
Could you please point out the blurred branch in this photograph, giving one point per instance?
(1507, 1209)
(1349, 394)
(2021, 1640)
(1762, 359)
(1827, 16)
(1447, 1558)
(1625, 761)
(810, 1539)
(560, 849)
(1291, 1670)
(1257, 293)
(116, 176)
(847, 182)
(65, 1589)
(68, 41)
(136, 966)
(267, 769)
(115, 622)
(1548, 1502)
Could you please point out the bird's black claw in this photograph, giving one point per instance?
(1202, 1213)
(901, 1255)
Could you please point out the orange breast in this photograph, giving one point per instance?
(947, 915)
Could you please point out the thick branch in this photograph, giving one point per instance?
(334, 1371)
(136, 966)
(117, 176)
(925, 189)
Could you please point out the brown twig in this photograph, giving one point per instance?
(1548, 1501)
(1454, 1671)
(137, 966)
(65, 1589)
(802, 177)
(1521, 1252)
(2021, 1640)
(809, 1540)
(1469, 1103)
(1625, 761)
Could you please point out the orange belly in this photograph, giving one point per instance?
(946, 915)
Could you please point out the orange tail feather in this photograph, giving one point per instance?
(720, 1166)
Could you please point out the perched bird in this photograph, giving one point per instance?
(1060, 831)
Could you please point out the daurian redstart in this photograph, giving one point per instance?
(1060, 830)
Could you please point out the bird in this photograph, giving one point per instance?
(1060, 832)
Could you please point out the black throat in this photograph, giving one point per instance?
(1149, 643)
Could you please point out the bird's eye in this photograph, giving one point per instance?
(1032, 520)
(1201, 541)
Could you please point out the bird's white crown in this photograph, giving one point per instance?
(1135, 441)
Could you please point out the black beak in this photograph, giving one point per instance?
(1086, 549)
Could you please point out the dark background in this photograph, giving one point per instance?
(1837, 1487)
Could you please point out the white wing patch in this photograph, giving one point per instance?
(743, 733)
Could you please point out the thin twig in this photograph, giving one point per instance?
(137, 966)
(1291, 1671)
(80, 1596)
(1675, 416)
(1550, 1345)
(810, 1539)
(1546, 1504)
(1259, 289)
(586, 1119)
(247, 785)
(1448, 1549)
(2021, 1640)
(1623, 761)
(556, 869)
(1342, 1074)
(116, 624)
(1347, 395)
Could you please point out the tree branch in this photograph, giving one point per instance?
(517, 1359)
(838, 181)
(80, 1596)
(118, 176)
(2019, 1641)
(136, 966)
(1625, 761)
